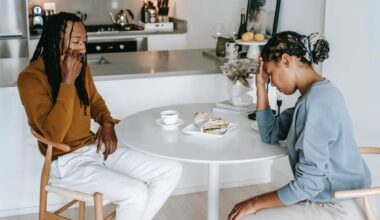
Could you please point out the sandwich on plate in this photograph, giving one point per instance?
(215, 125)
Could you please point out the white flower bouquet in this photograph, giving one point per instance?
(240, 70)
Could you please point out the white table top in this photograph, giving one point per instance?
(241, 145)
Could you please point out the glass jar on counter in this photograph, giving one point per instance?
(152, 15)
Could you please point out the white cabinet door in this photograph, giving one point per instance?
(167, 42)
(32, 46)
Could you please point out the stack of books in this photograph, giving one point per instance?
(227, 107)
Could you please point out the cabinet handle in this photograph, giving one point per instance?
(18, 35)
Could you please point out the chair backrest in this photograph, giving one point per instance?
(369, 150)
(48, 156)
(79, 197)
(362, 193)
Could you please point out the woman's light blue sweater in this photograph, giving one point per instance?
(322, 150)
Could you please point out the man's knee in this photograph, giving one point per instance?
(136, 194)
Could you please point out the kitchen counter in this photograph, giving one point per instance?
(128, 65)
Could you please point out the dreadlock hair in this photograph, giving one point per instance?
(49, 49)
(310, 49)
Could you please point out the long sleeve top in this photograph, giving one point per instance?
(65, 120)
(322, 150)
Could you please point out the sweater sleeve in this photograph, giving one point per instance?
(99, 110)
(53, 120)
(272, 129)
(311, 171)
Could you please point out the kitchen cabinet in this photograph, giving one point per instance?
(167, 42)
(32, 46)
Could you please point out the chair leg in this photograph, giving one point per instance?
(98, 200)
(43, 204)
(368, 211)
(82, 210)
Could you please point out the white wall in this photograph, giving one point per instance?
(201, 15)
(353, 66)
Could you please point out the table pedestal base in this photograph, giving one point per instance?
(213, 192)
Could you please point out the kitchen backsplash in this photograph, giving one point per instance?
(97, 10)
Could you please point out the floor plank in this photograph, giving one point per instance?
(184, 207)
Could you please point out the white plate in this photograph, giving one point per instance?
(251, 42)
(254, 126)
(194, 130)
(175, 125)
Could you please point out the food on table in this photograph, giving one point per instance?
(200, 118)
(215, 125)
(259, 37)
(210, 124)
(247, 36)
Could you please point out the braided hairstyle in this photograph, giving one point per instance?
(310, 49)
(49, 49)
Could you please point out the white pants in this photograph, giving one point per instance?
(351, 209)
(137, 183)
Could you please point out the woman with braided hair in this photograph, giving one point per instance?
(60, 99)
(317, 132)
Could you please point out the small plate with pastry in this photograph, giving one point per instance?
(208, 126)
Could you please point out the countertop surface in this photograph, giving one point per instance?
(127, 65)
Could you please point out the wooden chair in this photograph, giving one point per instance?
(362, 193)
(80, 197)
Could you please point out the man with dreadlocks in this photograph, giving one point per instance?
(60, 98)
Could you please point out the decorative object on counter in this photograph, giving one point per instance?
(221, 46)
(253, 47)
(218, 33)
(243, 25)
(160, 26)
(81, 15)
(240, 74)
(144, 12)
(218, 30)
(163, 10)
(152, 12)
(262, 16)
(37, 19)
(232, 31)
(232, 50)
(121, 18)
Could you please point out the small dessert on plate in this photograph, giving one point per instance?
(200, 118)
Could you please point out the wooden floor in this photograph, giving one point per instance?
(184, 207)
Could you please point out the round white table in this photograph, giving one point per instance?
(241, 145)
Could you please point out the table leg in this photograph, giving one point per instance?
(213, 192)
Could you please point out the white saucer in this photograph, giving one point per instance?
(171, 126)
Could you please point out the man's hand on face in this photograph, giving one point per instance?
(107, 136)
(71, 65)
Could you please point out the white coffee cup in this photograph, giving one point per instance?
(169, 117)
